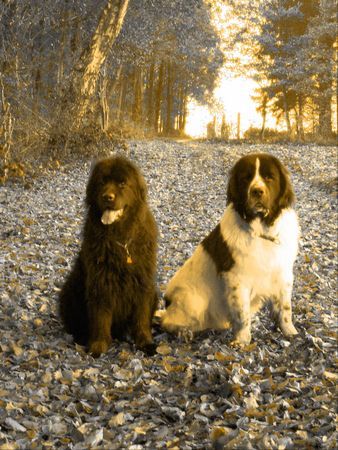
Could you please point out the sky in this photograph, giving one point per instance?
(234, 96)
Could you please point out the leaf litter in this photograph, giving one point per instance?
(194, 393)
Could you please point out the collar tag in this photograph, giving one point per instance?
(129, 259)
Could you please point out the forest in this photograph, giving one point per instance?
(76, 72)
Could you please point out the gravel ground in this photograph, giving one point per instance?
(273, 394)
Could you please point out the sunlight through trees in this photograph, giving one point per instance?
(118, 68)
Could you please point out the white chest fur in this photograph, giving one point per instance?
(263, 256)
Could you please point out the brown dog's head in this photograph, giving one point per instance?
(259, 186)
(115, 189)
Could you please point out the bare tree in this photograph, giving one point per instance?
(87, 70)
(6, 127)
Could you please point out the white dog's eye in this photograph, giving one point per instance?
(246, 177)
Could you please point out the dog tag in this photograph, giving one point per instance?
(125, 246)
(129, 260)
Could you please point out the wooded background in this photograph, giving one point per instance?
(72, 71)
(292, 53)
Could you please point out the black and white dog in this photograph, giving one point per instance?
(247, 259)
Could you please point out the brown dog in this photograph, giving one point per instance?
(111, 288)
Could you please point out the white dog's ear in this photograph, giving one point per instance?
(287, 196)
(231, 189)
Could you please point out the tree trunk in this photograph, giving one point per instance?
(287, 115)
(150, 94)
(122, 96)
(6, 127)
(180, 109)
(37, 77)
(324, 105)
(75, 36)
(211, 129)
(138, 91)
(224, 129)
(158, 98)
(300, 117)
(87, 70)
(116, 80)
(262, 132)
(327, 60)
(104, 105)
(168, 125)
(63, 39)
(238, 126)
(264, 111)
(112, 87)
(184, 111)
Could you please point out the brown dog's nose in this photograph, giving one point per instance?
(109, 197)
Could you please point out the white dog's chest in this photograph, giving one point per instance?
(263, 261)
(260, 267)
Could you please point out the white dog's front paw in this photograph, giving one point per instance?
(185, 334)
(242, 338)
(288, 329)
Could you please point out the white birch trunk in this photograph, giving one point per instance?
(88, 68)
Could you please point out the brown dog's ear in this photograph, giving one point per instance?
(142, 187)
(90, 195)
(92, 183)
(287, 196)
(93, 163)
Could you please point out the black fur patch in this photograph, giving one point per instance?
(218, 250)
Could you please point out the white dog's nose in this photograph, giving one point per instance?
(256, 192)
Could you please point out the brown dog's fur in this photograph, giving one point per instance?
(111, 288)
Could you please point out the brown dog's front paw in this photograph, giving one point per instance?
(98, 347)
(145, 344)
(148, 349)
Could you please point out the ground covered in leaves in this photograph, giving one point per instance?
(273, 394)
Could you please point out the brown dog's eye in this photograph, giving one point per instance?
(268, 177)
(122, 184)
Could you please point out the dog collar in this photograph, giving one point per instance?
(267, 237)
(273, 239)
(125, 246)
